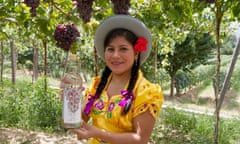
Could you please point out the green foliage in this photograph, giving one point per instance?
(196, 49)
(29, 106)
(236, 79)
(179, 120)
(176, 126)
(203, 132)
(44, 109)
(201, 75)
(10, 109)
(228, 45)
(56, 59)
(229, 132)
(183, 79)
(193, 51)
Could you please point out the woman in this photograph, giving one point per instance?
(122, 105)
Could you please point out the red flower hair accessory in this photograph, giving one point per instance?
(141, 44)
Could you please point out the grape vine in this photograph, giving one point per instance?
(121, 6)
(85, 9)
(33, 4)
(66, 35)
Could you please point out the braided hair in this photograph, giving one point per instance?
(132, 38)
(106, 73)
(132, 82)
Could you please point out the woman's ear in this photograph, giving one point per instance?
(136, 56)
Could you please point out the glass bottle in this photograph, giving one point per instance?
(71, 85)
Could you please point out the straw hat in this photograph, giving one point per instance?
(122, 21)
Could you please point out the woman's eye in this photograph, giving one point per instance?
(109, 49)
(124, 49)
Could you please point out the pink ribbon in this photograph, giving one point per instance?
(127, 95)
(89, 105)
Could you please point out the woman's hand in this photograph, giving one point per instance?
(85, 131)
(143, 126)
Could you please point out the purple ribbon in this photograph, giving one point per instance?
(127, 95)
(89, 105)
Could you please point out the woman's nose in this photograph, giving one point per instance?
(116, 54)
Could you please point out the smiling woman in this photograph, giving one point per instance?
(122, 103)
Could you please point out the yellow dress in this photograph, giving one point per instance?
(106, 113)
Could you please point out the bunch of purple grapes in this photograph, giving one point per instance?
(66, 35)
(85, 9)
(33, 4)
(121, 6)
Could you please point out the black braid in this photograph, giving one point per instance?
(132, 82)
(106, 73)
(134, 74)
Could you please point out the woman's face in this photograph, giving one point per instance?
(120, 55)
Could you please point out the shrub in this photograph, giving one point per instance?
(29, 106)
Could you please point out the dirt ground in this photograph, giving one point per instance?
(18, 136)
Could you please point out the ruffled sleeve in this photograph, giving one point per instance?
(148, 96)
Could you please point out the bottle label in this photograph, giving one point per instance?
(72, 105)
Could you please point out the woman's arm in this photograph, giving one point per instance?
(143, 126)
